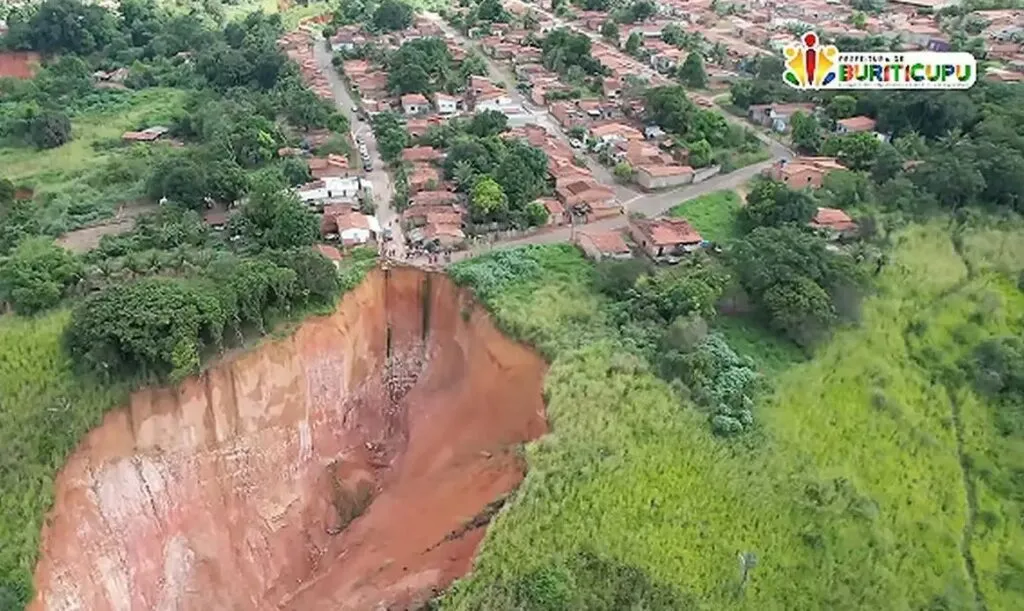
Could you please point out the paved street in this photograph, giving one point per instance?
(383, 187)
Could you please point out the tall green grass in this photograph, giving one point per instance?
(852, 496)
(715, 216)
(88, 178)
(44, 411)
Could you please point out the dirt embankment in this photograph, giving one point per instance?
(316, 472)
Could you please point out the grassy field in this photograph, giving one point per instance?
(44, 411)
(714, 215)
(290, 17)
(88, 178)
(854, 493)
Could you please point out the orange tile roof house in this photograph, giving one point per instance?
(423, 177)
(615, 131)
(414, 104)
(833, 222)
(801, 172)
(665, 238)
(421, 154)
(556, 211)
(855, 125)
(583, 191)
(655, 176)
(332, 165)
(600, 245)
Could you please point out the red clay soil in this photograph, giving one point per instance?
(18, 64)
(236, 490)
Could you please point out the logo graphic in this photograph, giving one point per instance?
(812, 65)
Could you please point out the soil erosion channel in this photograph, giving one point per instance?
(351, 466)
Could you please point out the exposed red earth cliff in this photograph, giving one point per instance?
(238, 488)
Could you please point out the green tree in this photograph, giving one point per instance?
(888, 163)
(536, 214)
(7, 192)
(623, 171)
(488, 200)
(390, 135)
(779, 268)
(692, 73)
(521, 173)
(610, 31)
(391, 16)
(70, 26)
(409, 78)
(633, 43)
(50, 129)
(700, 154)
(841, 107)
(770, 204)
(274, 218)
(673, 35)
(180, 179)
(800, 309)
(488, 123)
(806, 133)
(855, 151)
(295, 171)
(37, 275)
(492, 11)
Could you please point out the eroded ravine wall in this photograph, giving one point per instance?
(231, 490)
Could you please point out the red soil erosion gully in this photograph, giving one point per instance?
(351, 466)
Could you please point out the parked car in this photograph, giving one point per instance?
(576, 144)
(355, 110)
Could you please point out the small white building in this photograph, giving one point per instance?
(415, 103)
(494, 100)
(333, 188)
(355, 229)
(446, 104)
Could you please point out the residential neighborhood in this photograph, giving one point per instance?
(603, 112)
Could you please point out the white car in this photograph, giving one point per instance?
(576, 144)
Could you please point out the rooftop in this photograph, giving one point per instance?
(668, 231)
(609, 242)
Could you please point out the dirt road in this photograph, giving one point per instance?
(383, 186)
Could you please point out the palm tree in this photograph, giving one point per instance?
(464, 175)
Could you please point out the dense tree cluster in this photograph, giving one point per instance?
(664, 315)
(424, 66)
(503, 177)
(702, 131)
(37, 275)
(391, 136)
(164, 326)
(959, 147)
(772, 204)
(563, 50)
(797, 283)
(391, 16)
(243, 89)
